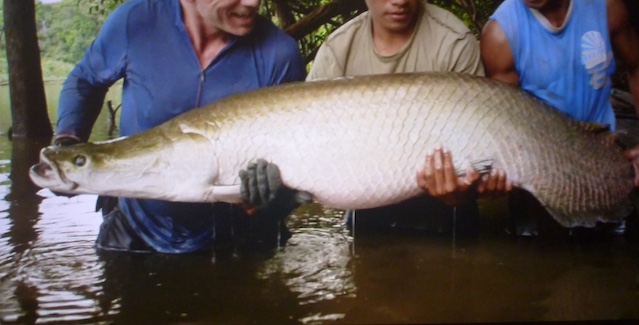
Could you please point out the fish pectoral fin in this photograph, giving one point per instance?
(225, 193)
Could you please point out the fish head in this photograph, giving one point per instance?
(104, 168)
(157, 167)
(67, 169)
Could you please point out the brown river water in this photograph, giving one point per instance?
(50, 272)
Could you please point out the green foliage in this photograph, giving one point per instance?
(65, 30)
(99, 8)
(474, 13)
(53, 69)
(3, 45)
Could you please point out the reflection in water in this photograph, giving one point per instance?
(316, 263)
(225, 286)
(40, 260)
(23, 215)
(59, 278)
(23, 210)
(405, 279)
(154, 288)
(51, 273)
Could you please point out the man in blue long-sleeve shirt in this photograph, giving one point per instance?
(173, 55)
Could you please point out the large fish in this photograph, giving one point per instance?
(357, 143)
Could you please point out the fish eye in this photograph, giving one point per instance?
(80, 160)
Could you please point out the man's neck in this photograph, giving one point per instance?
(207, 41)
(556, 12)
(388, 43)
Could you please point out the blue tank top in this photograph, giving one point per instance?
(569, 68)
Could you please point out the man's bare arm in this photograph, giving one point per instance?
(625, 42)
(496, 54)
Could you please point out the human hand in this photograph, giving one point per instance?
(494, 184)
(262, 189)
(439, 179)
(633, 155)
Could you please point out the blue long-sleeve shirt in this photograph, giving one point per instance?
(145, 43)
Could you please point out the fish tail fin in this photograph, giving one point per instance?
(606, 136)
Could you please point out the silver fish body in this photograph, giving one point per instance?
(357, 143)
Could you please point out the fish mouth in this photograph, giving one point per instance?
(47, 174)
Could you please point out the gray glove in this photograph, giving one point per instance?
(262, 189)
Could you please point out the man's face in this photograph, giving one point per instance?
(394, 15)
(236, 17)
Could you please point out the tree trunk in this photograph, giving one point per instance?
(283, 12)
(323, 15)
(28, 102)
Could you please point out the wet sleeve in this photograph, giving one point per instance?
(84, 89)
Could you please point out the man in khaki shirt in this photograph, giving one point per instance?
(396, 36)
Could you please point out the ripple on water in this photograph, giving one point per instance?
(60, 269)
(316, 262)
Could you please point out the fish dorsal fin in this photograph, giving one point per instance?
(592, 127)
(602, 133)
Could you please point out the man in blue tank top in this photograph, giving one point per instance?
(563, 52)
(172, 55)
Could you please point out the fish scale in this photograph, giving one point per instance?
(358, 142)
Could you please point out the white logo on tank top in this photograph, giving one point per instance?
(595, 58)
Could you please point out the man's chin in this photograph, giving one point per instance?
(242, 31)
(239, 31)
(241, 27)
